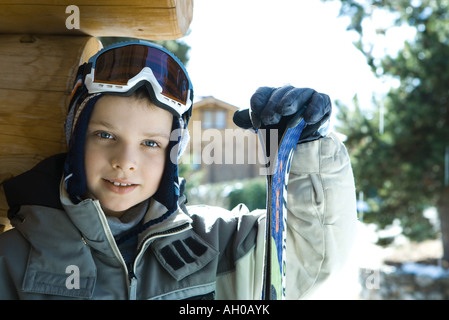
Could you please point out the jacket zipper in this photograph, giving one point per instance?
(132, 289)
(131, 279)
(111, 241)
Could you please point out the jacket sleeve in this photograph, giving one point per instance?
(14, 252)
(321, 225)
(321, 221)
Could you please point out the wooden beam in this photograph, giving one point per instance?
(38, 78)
(147, 19)
(40, 62)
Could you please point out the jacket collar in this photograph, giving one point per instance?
(90, 220)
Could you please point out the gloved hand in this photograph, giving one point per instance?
(283, 107)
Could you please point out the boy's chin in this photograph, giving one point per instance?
(116, 210)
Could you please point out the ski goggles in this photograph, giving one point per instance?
(124, 67)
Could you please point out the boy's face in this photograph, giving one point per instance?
(125, 152)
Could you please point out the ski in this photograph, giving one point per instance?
(274, 283)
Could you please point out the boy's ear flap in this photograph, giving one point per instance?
(74, 172)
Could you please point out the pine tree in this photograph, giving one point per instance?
(401, 170)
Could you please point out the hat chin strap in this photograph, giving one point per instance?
(74, 173)
(185, 138)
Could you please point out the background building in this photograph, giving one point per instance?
(220, 149)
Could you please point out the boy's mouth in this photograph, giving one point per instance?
(120, 186)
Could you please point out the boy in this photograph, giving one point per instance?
(108, 220)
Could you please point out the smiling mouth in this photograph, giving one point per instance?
(118, 184)
(120, 187)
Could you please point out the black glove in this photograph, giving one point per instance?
(284, 107)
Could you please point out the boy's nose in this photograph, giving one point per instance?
(124, 160)
(123, 166)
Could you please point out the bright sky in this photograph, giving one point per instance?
(239, 45)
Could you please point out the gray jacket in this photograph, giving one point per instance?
(58, 250)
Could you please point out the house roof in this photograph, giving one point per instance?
(210, 100)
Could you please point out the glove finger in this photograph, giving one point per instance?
(319, 106)
(260, 98)
(315, 131)
(242, 119)
(258, 102)
(269, 114)
(294, 100)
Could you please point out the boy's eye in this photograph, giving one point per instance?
(104, 135)
(150, 143)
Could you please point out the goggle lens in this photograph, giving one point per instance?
(118, 65)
